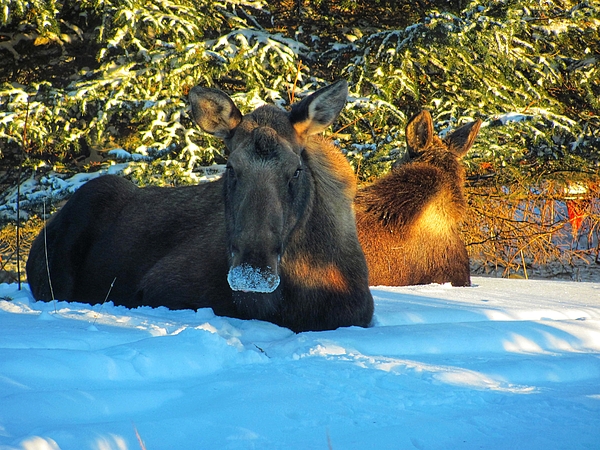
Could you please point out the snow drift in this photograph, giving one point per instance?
(502, 364)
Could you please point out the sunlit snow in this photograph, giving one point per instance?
(504, 364)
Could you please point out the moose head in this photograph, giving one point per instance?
(268, 187)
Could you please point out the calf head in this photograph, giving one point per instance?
(268, 187)
(421, 138)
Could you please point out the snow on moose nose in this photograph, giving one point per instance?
(251, 279)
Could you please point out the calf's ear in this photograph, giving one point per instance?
(214, 111)
(419, 132)
(461, 140)
(319, 110)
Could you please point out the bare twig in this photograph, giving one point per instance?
(524, 265)
(139, 438)
(22, 156)
(46, 256)
(524, 229)
(361, 118)
(292, 92)
(105, 299)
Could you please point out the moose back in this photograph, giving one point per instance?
(274, 239)
(409, 220)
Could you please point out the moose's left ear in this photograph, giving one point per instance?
(419, 133)
(319, 110)
(214, 111)
(461, 140)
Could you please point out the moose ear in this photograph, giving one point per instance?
(419, 132)
(461, 140)
(214, 111)
(320, 109)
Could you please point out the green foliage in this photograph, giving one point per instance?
(530, 70)
(42, 15)
(501, 61)
(149, 55)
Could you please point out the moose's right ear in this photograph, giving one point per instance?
(319, 110)
(214, 111)
(419, 132)
(461, 140)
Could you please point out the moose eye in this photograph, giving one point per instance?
(297, 172)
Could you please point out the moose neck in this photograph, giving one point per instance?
(451, 170)
(308, 260)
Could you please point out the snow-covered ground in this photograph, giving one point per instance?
(505, 364)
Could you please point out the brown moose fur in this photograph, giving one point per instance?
(282, 213)
(408, 221)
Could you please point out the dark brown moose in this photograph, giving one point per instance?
(408, 221)
(274, 239)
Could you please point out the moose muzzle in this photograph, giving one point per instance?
(247, 278)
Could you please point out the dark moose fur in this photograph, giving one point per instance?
(408, 221)
(280, 224)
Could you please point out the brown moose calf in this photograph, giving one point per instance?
(408, 221)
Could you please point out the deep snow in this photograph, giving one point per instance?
(505, 364)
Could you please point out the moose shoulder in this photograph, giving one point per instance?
(274, 239)
(408, 221)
